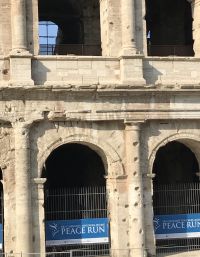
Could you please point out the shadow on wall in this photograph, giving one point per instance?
(39, 72)
(151, 74)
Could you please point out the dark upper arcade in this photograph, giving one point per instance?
(169, 28)
(78, 27)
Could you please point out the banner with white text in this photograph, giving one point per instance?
(82, 231)
(177, 226)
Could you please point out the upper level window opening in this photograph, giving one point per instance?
(169, 28)
(48, 32)
(78, 27)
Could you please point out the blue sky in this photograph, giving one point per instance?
(47, 32)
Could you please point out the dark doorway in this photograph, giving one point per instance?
(169, 28)
(176, 190)
(78, 25)
(75, 190)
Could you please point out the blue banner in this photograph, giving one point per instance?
(82, 231)
(177, 226)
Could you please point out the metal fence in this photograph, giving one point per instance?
(74, 253)
(77, 203)
(183, 198)
(167, 50)
(70, 49)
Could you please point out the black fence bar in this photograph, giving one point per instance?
(70, 49)
(167, 50)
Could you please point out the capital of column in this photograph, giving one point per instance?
(21, 131)
(122, 177)
(133, 124)
(39, 182)
(151, 175)
(22, 126)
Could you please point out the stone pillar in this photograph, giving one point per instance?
(110, 13)
(128, 27)
(141, 40)
(135, 189)
(20, 58)
(148, 214)
(32, 25)
(23, 189)
(195, 4)
(18, 16)
(39, 215)
(117, 214)
(131, 64)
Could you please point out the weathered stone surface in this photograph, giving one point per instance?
(123, 104)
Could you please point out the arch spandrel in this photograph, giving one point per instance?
(111, 159)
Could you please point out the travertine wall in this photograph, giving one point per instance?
(124, 105)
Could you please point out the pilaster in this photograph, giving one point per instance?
(148, 213)
(23, 189)
(39, 215)
(135, 189)
(18, 16)
(20, 58)
(118, 213)
(131, 62)
(128, 27)
(110, 27)
(195, 4)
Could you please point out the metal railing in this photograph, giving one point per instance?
(77, 253)
(70, 49)
(74, 253)
(167, 50)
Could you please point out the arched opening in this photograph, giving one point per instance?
(78, 26)
(75, 202)
(176, 200)
(1, 214)
(169, 28)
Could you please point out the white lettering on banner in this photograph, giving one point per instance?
(180, 224)
(73, 230)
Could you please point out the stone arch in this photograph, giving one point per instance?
(108, 154)
(182, 185)
(192, 141)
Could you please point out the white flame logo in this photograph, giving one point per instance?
(54, 229)
(156, 223)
